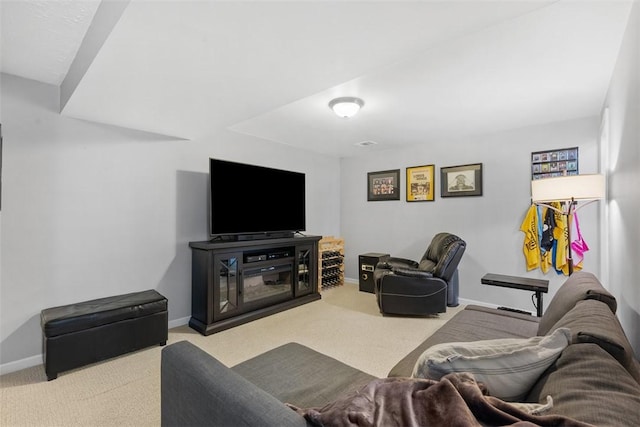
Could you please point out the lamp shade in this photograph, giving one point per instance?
(346, 107)
(576, 187)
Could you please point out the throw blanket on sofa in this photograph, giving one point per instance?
(455, 400)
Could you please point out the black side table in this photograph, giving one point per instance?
(536, 285)
(366, 265)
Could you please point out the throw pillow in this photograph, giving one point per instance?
(508, 367)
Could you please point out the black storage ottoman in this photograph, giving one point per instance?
(87, 332)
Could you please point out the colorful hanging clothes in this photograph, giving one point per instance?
(546, 239)
(530, 245)
(540, 216)
(578, 246)
(546, 262)
(561, 234)
(549, 224)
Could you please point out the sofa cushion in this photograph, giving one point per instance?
(301, 376)
(507, 367)
(591, 321)
(589, 385)
(579, 286)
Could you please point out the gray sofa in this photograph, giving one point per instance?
(595, 380)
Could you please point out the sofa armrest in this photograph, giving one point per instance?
(196, 389)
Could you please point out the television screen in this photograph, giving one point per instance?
(249, 199)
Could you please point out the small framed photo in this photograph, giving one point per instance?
(383, 185)
(461, 181)
(552, 163)
(420, 183)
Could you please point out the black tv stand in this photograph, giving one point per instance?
(234, 282)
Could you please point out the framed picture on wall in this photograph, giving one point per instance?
(383, 185)
(420, 183)
(554, 163)
(461, 181)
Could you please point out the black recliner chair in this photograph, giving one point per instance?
(407, 287)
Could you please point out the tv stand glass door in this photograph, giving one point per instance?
(226, 284)
(305, 260)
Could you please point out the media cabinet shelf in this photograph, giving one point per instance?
(235, 282)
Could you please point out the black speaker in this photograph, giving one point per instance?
(366, 264)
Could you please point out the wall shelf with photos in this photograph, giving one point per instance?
(554, 163)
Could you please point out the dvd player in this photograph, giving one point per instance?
(278, 254)
(255, 258)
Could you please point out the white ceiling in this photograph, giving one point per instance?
(428, 71)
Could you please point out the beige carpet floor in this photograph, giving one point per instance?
(125, 391)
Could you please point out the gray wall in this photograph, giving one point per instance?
(623, 164)
(490, 224)
(90, 210)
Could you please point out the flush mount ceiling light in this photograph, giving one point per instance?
(365, 143)
(346, 106)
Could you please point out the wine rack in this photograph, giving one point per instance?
(331, 262)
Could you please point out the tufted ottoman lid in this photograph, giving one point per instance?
(89, 314)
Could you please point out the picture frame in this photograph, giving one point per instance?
(461, 181)
(421, 183)
(554, 163)
(383, 185)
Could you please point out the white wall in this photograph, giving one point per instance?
(490, 224)
(90, 210)
(623, 152)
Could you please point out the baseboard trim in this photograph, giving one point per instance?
(18, 365)
(466, 301)
(463, 301)
(179, 322)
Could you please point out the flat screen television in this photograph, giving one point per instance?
(254, 202)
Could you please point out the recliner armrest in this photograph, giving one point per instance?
(412, 272)
(395, 262)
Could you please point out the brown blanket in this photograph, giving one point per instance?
(455, 400)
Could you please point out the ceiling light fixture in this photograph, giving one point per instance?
(346, 106)
(365, 143)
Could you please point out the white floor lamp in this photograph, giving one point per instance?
(569, 190)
